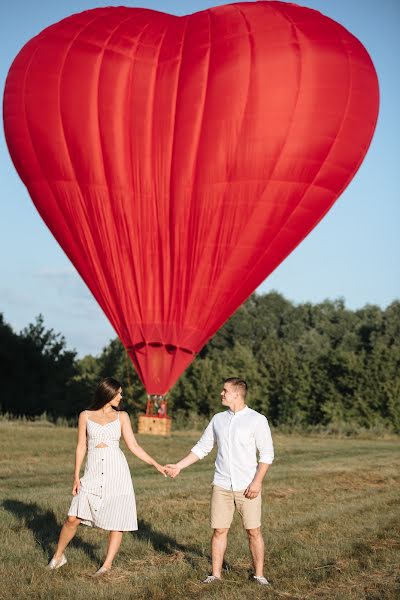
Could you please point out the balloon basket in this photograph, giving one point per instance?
(154, 425)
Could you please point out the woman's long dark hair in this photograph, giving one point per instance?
(106, 390)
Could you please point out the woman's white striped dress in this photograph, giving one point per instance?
(105, 498)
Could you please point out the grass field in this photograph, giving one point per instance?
(330, 520)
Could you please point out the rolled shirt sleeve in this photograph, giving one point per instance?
(264, 443)
(206, 442)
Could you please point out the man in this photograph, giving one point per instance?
(239, 432)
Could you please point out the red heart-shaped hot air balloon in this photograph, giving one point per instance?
(179, 160)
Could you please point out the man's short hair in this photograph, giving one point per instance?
(239, 384)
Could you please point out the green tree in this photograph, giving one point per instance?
(43, 368)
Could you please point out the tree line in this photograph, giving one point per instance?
(307, 365)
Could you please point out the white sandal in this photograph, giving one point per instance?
(102, 571)
(56, 563)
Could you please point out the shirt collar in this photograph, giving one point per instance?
(240, 412)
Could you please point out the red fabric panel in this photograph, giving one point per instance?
(179, 160)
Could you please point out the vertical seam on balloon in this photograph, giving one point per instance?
(99, 295)
(288, 129)
(359, 162)
(25, 107)
(110, 281)
(39, 38)
(338, 194)
(28, 127)
(67, 51)
(189, 270)
(43, 36)
(299, 201)
(23, 94)
(294, 31)
(170, 173)
(346, 110)
(101, 61)
(289, 217)
(190, 222)
(132, 57)
(238, 139)
(290, 125)
(154, 83)
(172, 248)
(83, 207)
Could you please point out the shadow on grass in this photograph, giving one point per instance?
(45, 527)
(168, 545)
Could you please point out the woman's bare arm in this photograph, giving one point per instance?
(133, 445)
(80, 451)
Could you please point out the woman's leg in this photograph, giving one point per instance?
(114, 542)
(67, 533)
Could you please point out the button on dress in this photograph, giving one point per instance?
(106, 498)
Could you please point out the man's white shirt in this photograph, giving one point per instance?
(238, 436)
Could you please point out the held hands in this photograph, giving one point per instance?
(161, 469)
(172, 470)
(168, 470)
(252, 490)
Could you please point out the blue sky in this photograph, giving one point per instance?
(354, 253)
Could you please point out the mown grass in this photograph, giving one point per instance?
(330, 519)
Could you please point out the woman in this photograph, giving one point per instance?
(104, 496)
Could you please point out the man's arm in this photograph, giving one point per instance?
(266, 450)
(255, 486)
(174, 470)
(199, 451)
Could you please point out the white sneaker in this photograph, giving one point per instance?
(56, 563)
(211, 579)
(261, 580)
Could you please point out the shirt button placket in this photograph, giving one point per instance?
(102, 473)
(230, 449)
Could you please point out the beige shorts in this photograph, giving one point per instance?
(223, 503)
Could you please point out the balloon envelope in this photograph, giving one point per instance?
(179, 160)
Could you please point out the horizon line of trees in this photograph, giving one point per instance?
(307, 365)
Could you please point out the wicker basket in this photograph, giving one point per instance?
(154, 425)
